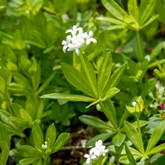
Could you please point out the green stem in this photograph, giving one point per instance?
(75, 60)
(46, 160)
(140, 134)
(140, 47)
(155, 63)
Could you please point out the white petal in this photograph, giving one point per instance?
(64, 48)
(77, 51)
(90, 34)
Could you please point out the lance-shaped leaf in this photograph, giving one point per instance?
(145, 10)
(133, 9)
(156, 51)
(75, 78)
(101, 136)
(114, 9)
(28, 151)
(89, 73)
(118, 139)
(104, 71)
(112, 20)
(69, 97)
(156, 135)
(37, 136)
(51, 135)
(150, 20)
(45, 84)
(94, 122)
(129, 155)
(27, 160)
(109, 110)
(110, 93)
(157, 149)
(114, 79)
(134, 136)
(61, 140)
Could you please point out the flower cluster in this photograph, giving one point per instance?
(77, 39)
(95, 152)
(45, 145)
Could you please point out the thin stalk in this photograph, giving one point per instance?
(46, 160)
(140, 47)
(155, 63)
(75, 60)
(139, 130)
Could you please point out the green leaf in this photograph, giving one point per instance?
(45, 84)
(113, 21)
(89, 73)
(150, 20)
(4, 151)
(51, 135)
(70, 97)
(94, 122)
(160, 9)
(61, 140)
(35, 73)
(156, 51)
(75, 78)
(28, 151)
(25, 116)
(104, 72)
(37, 136)
(101, 160)
(145, 10)
(130, 156)
(110, 93)
(157, 159)
(134, 136)
(118, 139)
(102, 136)
(156, 135)
(114, 79)
(27, 161)
(157, 149)
(133, 9)
(40, 110)
(2, 87)
(114, 9)
(109, 110)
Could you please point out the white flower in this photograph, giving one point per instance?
(148, 58)
(159, 88)
(75, 30)
(88, 38)
(134, 103)
(44, 146)
(89, 157)
(98, 150)
(77, 39)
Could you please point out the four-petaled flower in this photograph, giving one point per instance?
(77, 39)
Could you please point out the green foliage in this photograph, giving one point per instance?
(43, 146)
(115, 85)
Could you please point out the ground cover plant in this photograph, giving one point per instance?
(82, 82)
